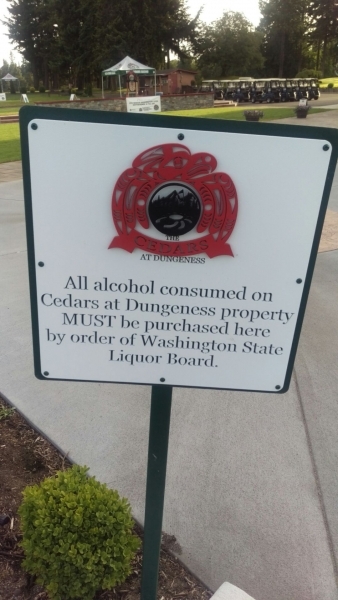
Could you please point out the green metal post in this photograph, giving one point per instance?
(156, 473)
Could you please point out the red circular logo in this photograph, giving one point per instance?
(175, 192)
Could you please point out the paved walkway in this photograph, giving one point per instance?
(10, 171)
(324, 119)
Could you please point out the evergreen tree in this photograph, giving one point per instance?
(231, 47)
(283, 26)
(323, 34)
(78, 39)
(32, 28)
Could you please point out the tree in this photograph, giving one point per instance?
(231, 47)
(323, 33)
(283, 26)
(32, 28)
(80, 38)
(139, 28)
(77, 30)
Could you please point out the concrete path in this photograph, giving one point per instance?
(325, 119)
(10, 171)
(252, 478)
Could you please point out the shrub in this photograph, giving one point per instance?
(6, 412)
(32, 89)
(23, 89)
(77, 535)
(309, 73)
(330, 86)
(42, 89)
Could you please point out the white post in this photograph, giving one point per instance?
(102, 88)
(155, 83)
(120, 85)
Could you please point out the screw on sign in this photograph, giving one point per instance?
(177, 192)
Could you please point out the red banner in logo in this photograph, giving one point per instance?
(206, 244)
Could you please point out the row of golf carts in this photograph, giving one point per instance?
(262, 90)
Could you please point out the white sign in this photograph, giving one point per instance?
(73, 97)
(2, 97)
(148, 104)
(24, 98)
(146, 272)
(302, 102)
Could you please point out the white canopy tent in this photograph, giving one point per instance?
(8, 77)
(126, 65)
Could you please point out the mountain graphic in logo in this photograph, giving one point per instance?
(174, 209)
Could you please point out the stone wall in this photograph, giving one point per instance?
(173, 102)
(187, 101)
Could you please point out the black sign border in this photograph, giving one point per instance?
(29, 113)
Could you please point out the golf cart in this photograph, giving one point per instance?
(312, 88)
(271, 91)
(211, 85)
(243, 90)
(229, 88)
(257, 90)
(287, 93)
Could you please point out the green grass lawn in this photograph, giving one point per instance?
(9, 110)
(237, 113)
(13, 103)
(9, 143)
(324, 82)
(10, 138)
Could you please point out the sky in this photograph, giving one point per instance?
(213, 9)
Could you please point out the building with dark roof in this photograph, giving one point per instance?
(169, 81)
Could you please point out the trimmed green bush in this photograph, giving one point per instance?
(309, 73)
(32, 89)
(42, 89)
(330, 86)
(77, 535)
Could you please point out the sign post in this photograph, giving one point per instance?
(156, 473)
(182, 255)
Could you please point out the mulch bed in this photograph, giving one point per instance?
(26, 458)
